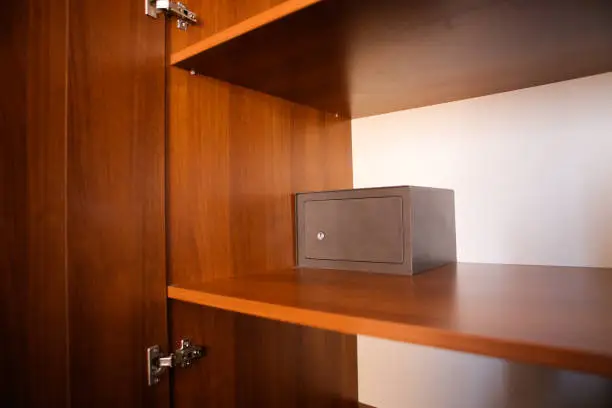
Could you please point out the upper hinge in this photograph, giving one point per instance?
(158, 363)
(184, 16)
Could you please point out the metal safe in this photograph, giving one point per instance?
(398, 230)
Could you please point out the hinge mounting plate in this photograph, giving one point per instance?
(158, 363)
(184, 16)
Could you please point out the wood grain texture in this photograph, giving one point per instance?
(13, 202)
(253, 362)
(211, 382)
(32, 173)
(217, 15)
(542, 315)
(362, 58)
(236, 157)
(47, 304)
(282, 365)
(116, 230)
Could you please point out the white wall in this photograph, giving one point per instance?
(532, 174)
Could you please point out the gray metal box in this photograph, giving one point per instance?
(398, 230)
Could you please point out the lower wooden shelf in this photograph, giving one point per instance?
(556, 316)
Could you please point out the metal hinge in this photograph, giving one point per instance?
(158, 363)
(184, 16)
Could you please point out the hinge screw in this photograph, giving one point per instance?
(192, 72)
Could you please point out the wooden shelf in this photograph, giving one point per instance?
(534, 314)
(360, 58)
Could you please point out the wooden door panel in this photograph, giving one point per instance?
(47, 319)
(13, 201)
(33, 295)
(116, 228)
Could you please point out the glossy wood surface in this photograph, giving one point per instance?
(13, 203)
(116, 231)
(33, 296)
(235, 159)
(361, 58)
(534, 314)
(47, 318)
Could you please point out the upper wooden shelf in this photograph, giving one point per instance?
(360, 58)
(546, 315)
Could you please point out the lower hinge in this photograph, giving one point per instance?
(158, 363)
(184, 16)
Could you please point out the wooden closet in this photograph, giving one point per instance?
(148, 178)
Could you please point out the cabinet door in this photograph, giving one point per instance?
(116, 211)
(82, 158)
(115, 202)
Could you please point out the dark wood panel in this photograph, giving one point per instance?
(13, 202)
(211, 382)
(47, 321)
(282, 365)
(255, 362)
(116, 230)
(216, 15)
(555, 316)
(32, 170)
(362, 58)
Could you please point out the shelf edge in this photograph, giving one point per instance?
(561, 358)
(245, 26)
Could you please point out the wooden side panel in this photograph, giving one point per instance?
(254, 362)
(116, 229)
(199, 178)
(284, 365)
(216, 15)
(47, 320)
(13, 201)
(236, 158)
